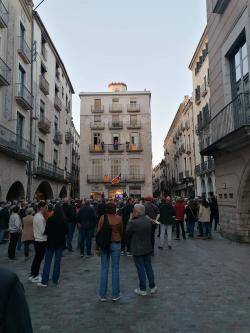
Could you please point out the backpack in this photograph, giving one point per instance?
(103, 237)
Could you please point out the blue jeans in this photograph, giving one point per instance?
(207, 226)
(191, 225)
(144, 267)
(86, 238)
(49, 254)
(114, 253)
(70, 235)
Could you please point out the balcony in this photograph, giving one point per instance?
(197, 96)
(134, 148)
(134, 125)
(97, 148)
(229, 129)
(205, 167)
(133, 107)
(58, 103)
(134, 178)
(50, 171)
(44, 53)
(24, 51)
(4, 73)
(116, 148)
(44, 125)
(44, 85)
(58, 138)
(115, 108)
(4, 15)
(116, 125)
(203, 91)
(98, 179)
(69, 138)
(97, 126)
(97, 109)
(15, 146)
(219, 6)
(24, 97)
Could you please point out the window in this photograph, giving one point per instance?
(66, 163)
(98, 104)
(20, 129)
(56, 123)
(43, 69)
(55, 160)
(42, 109)
(133, 119)
(190, 165)
(133, 102)
(41, 151)
(22, 33)
(134, 167)
(135, 139)
(115, 100)
(115, 138)
(56, 90)
(97, 138)
(21, 75)
(115, 119)
(97, 119)
(57, 71)
(97, 168)
(63, 93)
(115, 168)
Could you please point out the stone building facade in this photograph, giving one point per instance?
(226, 134)
(116, 143)
(35, 113)
(204, 168)
(179, 151)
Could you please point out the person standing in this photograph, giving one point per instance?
(28, 233)
(70, 216)
(204, 219)
(4, 220)
(87, 221)
(191, 211)
(56, 231)
(139, 233)
(39, 224)
(15, 229)
(126, 213)
(152, 211)
(114, 252)
(167, 216)
(179, 217)
(214, 212)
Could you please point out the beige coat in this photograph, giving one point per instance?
(28, 234)
(204, 214)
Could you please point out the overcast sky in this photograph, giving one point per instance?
(144, 43)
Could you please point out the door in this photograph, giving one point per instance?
(21, 78)
(19, 130)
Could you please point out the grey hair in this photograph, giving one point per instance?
(140, 209)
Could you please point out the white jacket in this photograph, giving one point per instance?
(204, 214)
(39, 224)
(15, 224)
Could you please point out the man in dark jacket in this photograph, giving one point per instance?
(152, 211)
(4, 220)
(214, 212)
(70, 216)
(14, 311)
(87, 221)
(139, 233)
(167, 217)
(126, 214)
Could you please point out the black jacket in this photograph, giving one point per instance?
(139, 234)
(4, 218)
(151, 210)
(167, 213)
(56, 232)
(14, 311)
(69, 213)
(87, 217)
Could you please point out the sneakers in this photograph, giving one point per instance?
(36, 279)
(31, 278)
(42, 285)
(140, 292)
(122, 253)
(153, 290)
(103, 300)
(129, 254)
(114, 299)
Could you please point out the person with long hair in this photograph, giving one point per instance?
(191, 212)
(114, 252)
(56, 231)
(204, 219)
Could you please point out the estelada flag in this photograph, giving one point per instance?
(116, 180)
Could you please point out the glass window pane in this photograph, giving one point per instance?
(237, 59)
(244, 51)
(237, 73)
(245, 66)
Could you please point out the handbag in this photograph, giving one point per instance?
(103, 237)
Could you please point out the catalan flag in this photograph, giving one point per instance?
(116, 180)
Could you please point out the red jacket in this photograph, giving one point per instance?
(179, 211)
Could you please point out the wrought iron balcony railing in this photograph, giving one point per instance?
(24, 97)
(116, 125)
(107, 179)
(44, 85)
(16, 146)
(231, 118)
(58, 103)
(97, 125)
(4, 73)
(133, 148)
(205, 167)
(50, 171)
(4, 15)
(115, 107)
(116, 148)
(134, 125)
(97, 148)
(133, 107)
(24, 50)
(58, 138)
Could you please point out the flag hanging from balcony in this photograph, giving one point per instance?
(116, 180)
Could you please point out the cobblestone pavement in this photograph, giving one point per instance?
(203, 287)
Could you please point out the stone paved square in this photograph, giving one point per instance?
(203, 287)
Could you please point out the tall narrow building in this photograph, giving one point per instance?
(116, 153)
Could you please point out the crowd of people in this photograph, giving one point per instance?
(121, 227)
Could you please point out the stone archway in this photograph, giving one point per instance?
(16, 192)
(44, 191)
(63, 192)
